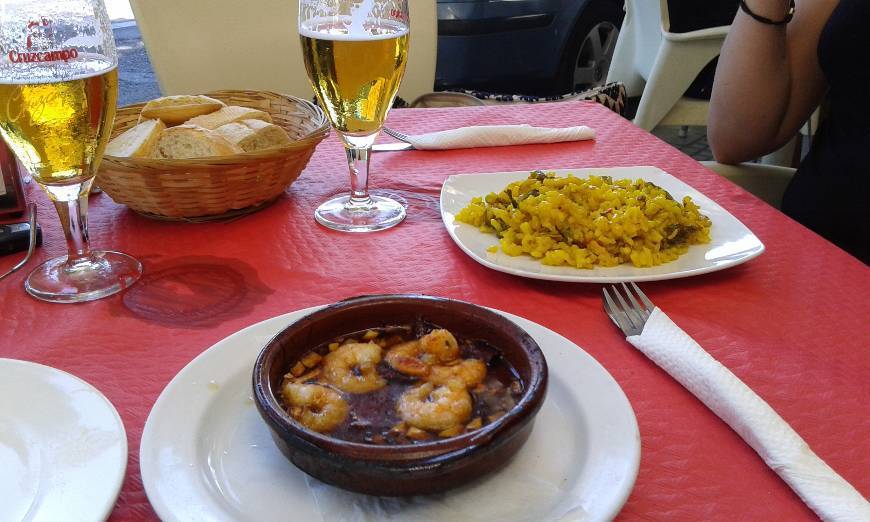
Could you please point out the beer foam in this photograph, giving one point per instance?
(343, 28)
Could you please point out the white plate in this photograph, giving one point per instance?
(63, 448)
(207, 455)
(731, 242)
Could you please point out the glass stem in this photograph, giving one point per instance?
(358, 163)
(71, 203)
(358, 149)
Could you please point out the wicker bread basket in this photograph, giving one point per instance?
(211, 188)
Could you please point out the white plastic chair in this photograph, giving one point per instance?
(198, 46)
(767, 182)
(660, 65)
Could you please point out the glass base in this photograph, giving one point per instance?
(348, 215)
(102, 274)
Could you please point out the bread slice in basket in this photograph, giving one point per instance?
(229, 114)
(191, 141)
(254, 135)
(158, 133)
(180, 108)
(137, 142)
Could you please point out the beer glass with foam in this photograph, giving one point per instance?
(355, 53)
(58, 91)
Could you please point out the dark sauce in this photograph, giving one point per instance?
(373, 417)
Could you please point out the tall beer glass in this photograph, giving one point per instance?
(58, 91)
(355, 53)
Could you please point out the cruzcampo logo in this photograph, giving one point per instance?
(39, 36)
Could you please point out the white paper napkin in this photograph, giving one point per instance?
(823, 490)
(498, 135)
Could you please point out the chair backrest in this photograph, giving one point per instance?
(198, 46)
(664, 15)
(638, 44)
(767, 182)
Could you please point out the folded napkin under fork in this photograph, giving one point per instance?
(496, 136)
(785, 452)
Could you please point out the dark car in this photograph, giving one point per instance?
(537, 47)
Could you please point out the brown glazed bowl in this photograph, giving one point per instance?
(409, 469)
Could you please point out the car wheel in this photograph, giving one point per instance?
(590, 47)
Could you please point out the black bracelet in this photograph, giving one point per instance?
(788, 16)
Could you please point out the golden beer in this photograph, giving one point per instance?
(59, 129)
(355, 76)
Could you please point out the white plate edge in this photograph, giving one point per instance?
(112, 499)
(619, 392)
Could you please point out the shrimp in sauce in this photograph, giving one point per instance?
(318, 408)
(353, 368)
(400, 385)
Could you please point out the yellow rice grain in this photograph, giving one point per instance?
(584, 222)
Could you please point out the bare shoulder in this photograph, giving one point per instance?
(810, 17)
(817, 9)
(808, 83)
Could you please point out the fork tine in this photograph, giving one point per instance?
(623, 310)
(638, 319)
(635, 305)
(398, 135)
(614, 313)
(649, 305)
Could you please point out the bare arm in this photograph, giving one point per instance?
(768, 80)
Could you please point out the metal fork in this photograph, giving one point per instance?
(628, 313)
(398, 135)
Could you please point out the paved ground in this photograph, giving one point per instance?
(136, 80)
(138, 83)
(694, 142)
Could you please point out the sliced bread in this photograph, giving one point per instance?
(180, 108)
(236, 132)
(254, 135)
(191, 141)
(229, 114)
(138, 141)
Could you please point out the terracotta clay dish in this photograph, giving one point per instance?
(412, 464)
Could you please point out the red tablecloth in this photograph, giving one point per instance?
(792, 323)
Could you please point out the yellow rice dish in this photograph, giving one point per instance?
(584, 222)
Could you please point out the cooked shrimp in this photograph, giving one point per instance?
(405, 358)
(353, 368)
(317, 407)
(415, 357)
(470, 371)
(435, 408)
(441, 345)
